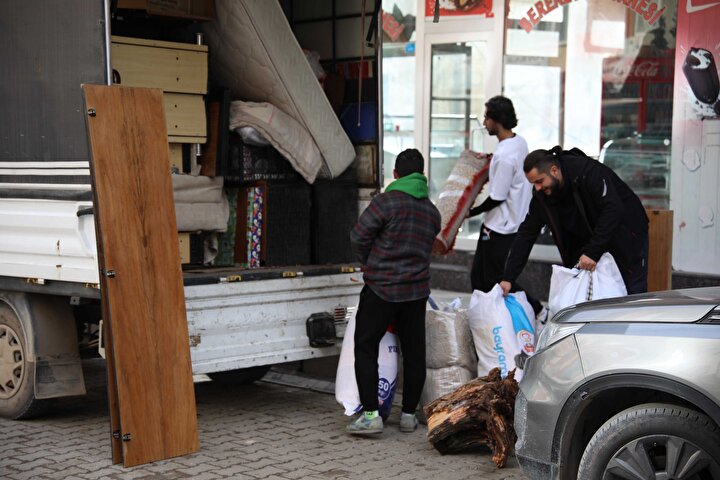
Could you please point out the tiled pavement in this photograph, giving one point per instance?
(265, 430)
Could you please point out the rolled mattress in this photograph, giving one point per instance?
(255, 54)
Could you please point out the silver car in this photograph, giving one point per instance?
(625, 388)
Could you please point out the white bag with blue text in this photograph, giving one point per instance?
(570, 286)
(498, 333)
(346, 389)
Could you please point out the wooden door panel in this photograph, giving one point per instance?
(144, 296)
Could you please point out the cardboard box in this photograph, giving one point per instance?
(195, 9)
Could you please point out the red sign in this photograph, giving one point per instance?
(391, 26)
(649, 10)
(457, 8)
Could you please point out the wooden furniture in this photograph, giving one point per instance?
(152, 399)
(660, 235)
(179, 69)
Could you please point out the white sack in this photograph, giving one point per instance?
(492, 329)
(346, 389)
(570, 286)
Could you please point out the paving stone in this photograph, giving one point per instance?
(261, 431)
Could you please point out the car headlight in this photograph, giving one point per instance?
(554, 332)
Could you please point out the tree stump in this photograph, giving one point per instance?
(480, 413)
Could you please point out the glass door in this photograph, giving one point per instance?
(457, 97)
(462, 72)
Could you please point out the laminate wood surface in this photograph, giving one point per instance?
(660, 239)
(144, 294)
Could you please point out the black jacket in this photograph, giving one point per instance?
(596, 213)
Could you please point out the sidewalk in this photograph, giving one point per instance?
(260, 431)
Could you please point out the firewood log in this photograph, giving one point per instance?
(478, 414)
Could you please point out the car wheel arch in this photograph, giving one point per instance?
(590, 400)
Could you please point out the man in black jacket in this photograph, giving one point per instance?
(589, 211)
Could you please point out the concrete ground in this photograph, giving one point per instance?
(269, 430)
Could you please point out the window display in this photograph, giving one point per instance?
(612, 96)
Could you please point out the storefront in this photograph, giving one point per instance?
(599, 75)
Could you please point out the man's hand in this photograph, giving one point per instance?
(586, 263)
(505, 286)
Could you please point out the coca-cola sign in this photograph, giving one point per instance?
(622, 68)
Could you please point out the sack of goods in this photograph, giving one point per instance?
(503, 330)
(449, 353)
(463, 185)
(346, 389)
(570, 286)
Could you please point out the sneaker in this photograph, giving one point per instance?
(364, 425)
(408, 422)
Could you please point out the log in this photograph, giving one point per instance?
(478, 414)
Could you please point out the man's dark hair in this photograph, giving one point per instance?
(409, 161)
(542, 160)
(501, 110)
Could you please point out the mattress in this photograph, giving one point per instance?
(254, 53)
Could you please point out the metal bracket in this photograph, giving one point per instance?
(91, 112)
(127, 437)
(116, 434)
(111, 273)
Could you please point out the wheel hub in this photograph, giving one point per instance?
(661, 457)
(11, 362)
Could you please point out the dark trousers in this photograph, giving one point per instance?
(374, 315)
(489, 263)
(635, 275)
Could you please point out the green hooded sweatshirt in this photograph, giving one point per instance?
(414, 185)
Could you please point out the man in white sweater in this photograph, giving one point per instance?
(508, 199)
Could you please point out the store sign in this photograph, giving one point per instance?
(458, 8)
(650, 11)
(622, 68)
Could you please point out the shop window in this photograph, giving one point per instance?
(601, 80)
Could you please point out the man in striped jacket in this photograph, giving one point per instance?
(393, 241)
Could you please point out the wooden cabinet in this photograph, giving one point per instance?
(180, 70)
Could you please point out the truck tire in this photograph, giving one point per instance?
(242, 376)
(653, 440)
(17, 373)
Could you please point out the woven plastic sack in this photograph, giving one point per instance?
(448, 340)
(463, 185)
(441, 381)
(346, 389)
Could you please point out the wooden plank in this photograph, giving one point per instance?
(170, 69)
(115, 442)
(144, 290)
(660, 239)
(176, 157)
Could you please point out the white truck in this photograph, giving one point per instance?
(49, 277)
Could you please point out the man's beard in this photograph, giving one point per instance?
(553, 191)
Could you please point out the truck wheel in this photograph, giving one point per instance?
(242, 376)
(653, 441)
(17, 374)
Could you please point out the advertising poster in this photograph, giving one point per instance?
(458, 8)
(695, 173)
